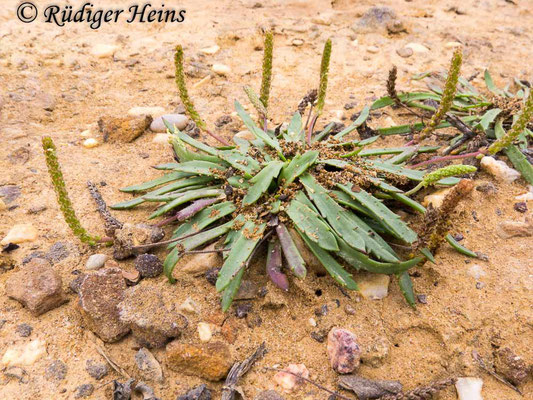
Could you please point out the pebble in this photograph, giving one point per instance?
(289, 382)
(453, 45)
(142, 111)
(24, 330)
(95, 261)
(510, 366)
(374, 286)
(242, 310)
(210, 50)
(90, 143)
(198, 393)
(189, 306)
(369, 389)
(205, 333)
(372, 49)
(24, 354)
(35, 209)
(375, 19)
(202, 262)
(417, 47)
(312, 322)
(499, 169)
(10, 193)
(86, 133)
(84, 390)
(148, 365)
(510, 229)
(405, 52)
(526, 196)
(123, 129)
(148, 265)
(469, 388)
(56, 370)
(37, 287)
(436, 198)
(132, 235)
(162, 138)
(343, 351)
(210, 361)
(58, 251)
(211, 275)
(323, 19)
(102, 50)
(297, 42)
(521, 207)
(179, 120)
(348, 309)
(246, 135)
(20, 233)
(221, 69)
(268, 395)
(96, 370)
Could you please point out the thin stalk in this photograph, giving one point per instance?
(448, 158)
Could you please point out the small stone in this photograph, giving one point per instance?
(372, 49)
(131, 235)
(374, 286)
(453, 45)
(198, 393)
(297, 42)
(24, 354)
(375, 19)
(56, 370)
(268, 395)
(148, 365)
(202, 262)
(99, 294)
(20, 233)
(102, 50)
(210, 361)
(96, 370)
(526, 196)
(343, 351)
(95, 261)
(90, 143)
(6, 262)
(417, 48)
(37, 287)
(348, 309)
(162, 138)
(189, 306)
(510, 229)
(143, 111)
(289, 382)
(221, 69)
(16, 372)
(469, 388)
(248, 290)
(205, 332)
(210, 50)
(24, 330)
(323, 19)
(36, 209)
(19, 156)
(436, 198)
(395, 26)
(84, 390)
(510, 366)
(149, 316)
(520, 207)
(58, 252)
(246, 135)
(499, 169)
(369, 389)
(405, 52)
(242, 310)
(487, 188)
(319, 336)
(123, 129)
(179, 120)
(148, 265)
(86, 133)
(376, 353)
(9, 193)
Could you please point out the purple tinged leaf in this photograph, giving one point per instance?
(195, 207)
(291, 253)
(273, 266)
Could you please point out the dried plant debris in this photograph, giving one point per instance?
(422, 392)
(369, 389)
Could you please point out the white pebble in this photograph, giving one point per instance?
(210, 50)
(20, 233)
(96, 261)
(205, 332)
(24, 354)
(162, 138)
(417, 47)
(452, 45)
(102, 50)
(179, 120)
(469, 388)
(312, 322)
(372, 49)
(526, 196)
(221, 69)
(297, 42)
(140, 111)
(499, 169)
(436, 198)
(323, 19)
(189, 306)
(388, 123)
(90, 143)
(86, 133)
(374, 286)
(354, 43)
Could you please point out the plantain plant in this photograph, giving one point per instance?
(335, 193)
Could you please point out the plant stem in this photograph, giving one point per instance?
(448, 158)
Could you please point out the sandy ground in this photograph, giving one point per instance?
(43, 66)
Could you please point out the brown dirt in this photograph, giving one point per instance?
(436, 341)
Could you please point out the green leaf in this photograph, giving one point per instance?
(517, 158)
(382, 213)
(238, 181)
(249, 236)
(185, 155)
(490, 84)
(331, 265)
(262, 181)
(297, 167)
(337, 217)
(241, 162)
(400, 129)
(412, 174)
(426, 253)
(189, 140)
(191, 195)
(458, 247)
(173, 176)
(307, 221)
(406, 287)
(488, 118)
(404, 97)
(363, 116)
(295, 128)
(323, 133)
(231, 290)
(199, 167)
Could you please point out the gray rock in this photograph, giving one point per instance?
(58, 252)
(148, 365)
(99, 294)
(37, 287)
(179, 120)
(96, 370)
(148, 265)
(19, 156)
(369, 389)
(268, 395)
(84, 390)
(56, 370)
(405, 52)
(24, 330)
(376, 19)
(95, 261)
(9, 193)
(198, 393)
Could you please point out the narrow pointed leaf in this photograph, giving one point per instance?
(297, 167)
(406, 287)
(274, 264)
(262, 181)
(295, 127)
(199, 167)
(231, 290)
(460, 248)
(241, 162)
(291, 252)
(192, 195)
(173, 176)
(363, 116)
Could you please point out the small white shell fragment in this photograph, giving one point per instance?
(435, 199)
(417, 47)
(205, 332)
(24, 354)
(202, 81)
(189, 306)
(221, 69)
(20, 233)
(90, 143)
(312, 322)
(499, 169)
(102, 50)
(526, 196)
(210, 50)
(469, 388)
